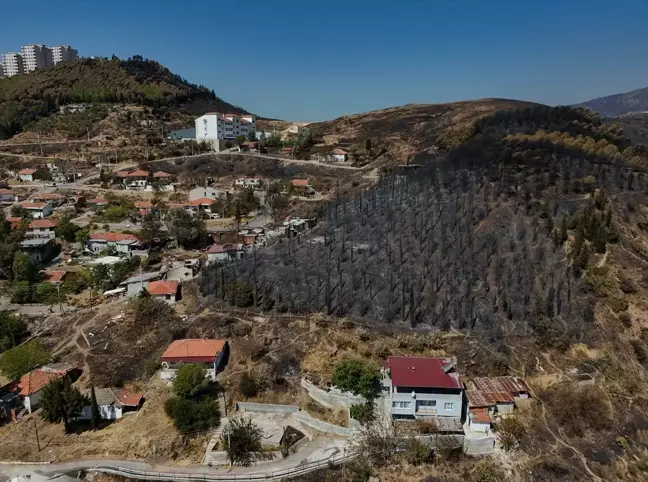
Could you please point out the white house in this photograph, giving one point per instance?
(424, 388)
(212, 354)
(31, 384)
(214, 126)
(205, 192)
(165, 290)
(338, 155)
(113, 403)
(120, 242)
(221, 253)
(248, 182)
(136, 283)
(38, 249)
(42, 228)
(26, 175)
(38, 210)
(491, 397)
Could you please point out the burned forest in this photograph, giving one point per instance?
(494, 236)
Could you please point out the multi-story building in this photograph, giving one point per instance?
(13, 64)
(215, 126)
(63, 53)
(36, 56)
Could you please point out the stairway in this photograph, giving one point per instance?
(209, 458)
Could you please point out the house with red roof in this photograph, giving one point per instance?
(119, 242)
(38, 210)
(338, 155)
(8, 196)
(222, 253)
(55, 199)
(165, 290)
(210, 353)
(42, 228)
(26, 175)
(30, 387)
(425, 388)
(113, 403)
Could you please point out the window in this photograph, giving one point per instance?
(427, 403)
(402, 404)
(448, 406)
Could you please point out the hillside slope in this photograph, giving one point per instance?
(619, 104)
(409, 129)
(635, 126)
(27, 98)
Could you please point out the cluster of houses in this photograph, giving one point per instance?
(141, 180)
(430, 389)
(17, 399)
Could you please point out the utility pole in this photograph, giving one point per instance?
(37, 439)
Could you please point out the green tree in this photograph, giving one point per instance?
(191, 416)
(358, 377)
(363, 413)
(239, 140)
(94, 409)
(242, 440)
(581, 261)
(17, 361)
(251, 136)
(82, 236)
(563, 230)
(189, 231)
(12, 330)
(189, 381)
(248, 386)
(19, 211)
(66, 229)
(151, 228)
(61, 402)
(23, 269)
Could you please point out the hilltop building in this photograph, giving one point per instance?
(214, 127)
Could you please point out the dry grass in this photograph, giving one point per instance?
(148, 434)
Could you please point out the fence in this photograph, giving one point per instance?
(266, 407)
(180, 476)
(332, 398)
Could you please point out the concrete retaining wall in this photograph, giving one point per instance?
(326, 427)
(265, 408)
(332, 398)
(479, 446)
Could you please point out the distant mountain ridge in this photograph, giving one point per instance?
(27, 98)
(619, 104)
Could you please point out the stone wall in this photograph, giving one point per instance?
(319, 425)
(265, 407)
(332, 398)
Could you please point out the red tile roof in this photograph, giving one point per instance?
(42, 223)
(221, 248)
(299, 182)
(7, 191)
(480, 415)
(138, 173)
(421, 372)
(162, 174)
(27, 171)
(36, 380)
(113, 237)
(339, 152)
(29, 205)
(202, 201)
(127, 398)
(477, 398)
(98, 200)
(55, 276)
(122, 173)
(163, 287)
(193, 350)
(144, 204)
(48, 195)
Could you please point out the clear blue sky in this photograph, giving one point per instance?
(305, 60)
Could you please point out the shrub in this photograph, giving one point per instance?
(417, 453)
(627, 285)
(511, 431)
(363, 413)
(625, 319)
(17, 361)
(191, 416)
(579, 409)
(486, 471)
(639, 350)
(248, 385)
(189, 381)
(618, 303)
(358, 377)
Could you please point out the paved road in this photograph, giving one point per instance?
(320, 450)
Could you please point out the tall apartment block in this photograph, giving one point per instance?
(36, 56)
(63, 53)
(13, 64)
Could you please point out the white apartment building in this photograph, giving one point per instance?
(214, 126)
(36, 56)
(13, 64)
(63, 53)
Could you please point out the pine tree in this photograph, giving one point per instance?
(563, 230)
(580, 263)
(94, 408)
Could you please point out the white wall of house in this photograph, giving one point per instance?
(42, 232)
(41, 213)
(170, 299)
(411, 402)
(211, 127)
(107, 412)
(201, 192)
(32, 401)
(169, 370)
(26, 177)
(479, 426)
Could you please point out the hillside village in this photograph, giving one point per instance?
(444, 292)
